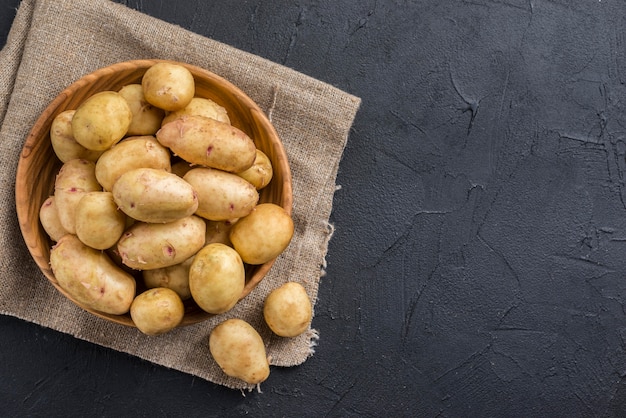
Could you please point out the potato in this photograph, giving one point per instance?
(263, 234)
(216, 278)
(101, 120)
(146, 118)
(239, 351)
(157, 311)
(218, 231)
(74, 179)
(147, 246)
(90, 277)
(287, 310)
(208, 142)
(221, 195)
(63, 143)
(49, 218)
(99, 224)
(174, 277)
(261, 172)
(133, 152)
(201, 107)
(168, 86)
(153, 195)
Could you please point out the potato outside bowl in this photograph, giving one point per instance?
(38, 163)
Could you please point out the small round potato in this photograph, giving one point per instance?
(263, 234)
(133, 152)
(174, 277)
(146, 117)
(101, 120)
(74, 179)
(239, 351)
(99, 224)
(157, 311)
(261, 172)
(201, 107)
(168, 86)
(49, 218)
(62, 139)
(287, 310)
(216, 278)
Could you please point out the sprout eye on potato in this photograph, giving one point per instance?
(156, 185)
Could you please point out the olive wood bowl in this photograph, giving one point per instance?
(38, 164)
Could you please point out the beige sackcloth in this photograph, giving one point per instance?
(53, 43)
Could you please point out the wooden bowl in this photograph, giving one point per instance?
(39, 164)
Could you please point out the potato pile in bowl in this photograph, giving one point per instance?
(157, 184)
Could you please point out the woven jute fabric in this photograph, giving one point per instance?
(53, 43)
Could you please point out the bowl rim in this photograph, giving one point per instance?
(30, 228)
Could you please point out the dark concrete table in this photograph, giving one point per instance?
(478, 266)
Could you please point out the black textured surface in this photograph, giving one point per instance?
(478, 266)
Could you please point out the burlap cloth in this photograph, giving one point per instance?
(54, 42)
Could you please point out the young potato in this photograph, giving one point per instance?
(216, 278)
(74, 180)
(201, 107)
(63, 143)
(168, 86)
(221, 195)
(146, 117)
(133, 152)
(90, 277)
(157, 311)
(101, 120)
(218, 231)
(49, 218)
(153, 195)
(261, 172)
(208, 142)
(99, 224)
(263, 234)
(174, 277)
(287, 310)
(239, 351)
(148, 246)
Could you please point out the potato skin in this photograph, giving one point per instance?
(90, 276)
(200, 106)
(146, 118)
(221, 195)
(287, 310)
(147, 246)
(132, 152)
(49, 218)
(62, 139)
(239, 351)
(99, 224)
(261, 172)
(157, 311)
(74, 179)
(216, 278)
(174, 277)
(263, 234)
(101, 120)
(168, 86)
(208, 142)
(153, 195)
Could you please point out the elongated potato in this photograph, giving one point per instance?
(200, 106)
(132, 152)
(208, 142)
(99, 223)
(221, 195)
(74, 180)
(261, 172)
(174, 277)
(147, 246)
(146, 118)
(168, 86)
(49, 218)
(216, 278)
(62, 139)
(101, 120)
(239, 351)
(153, 195)
(90, 277)
(263, 234)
